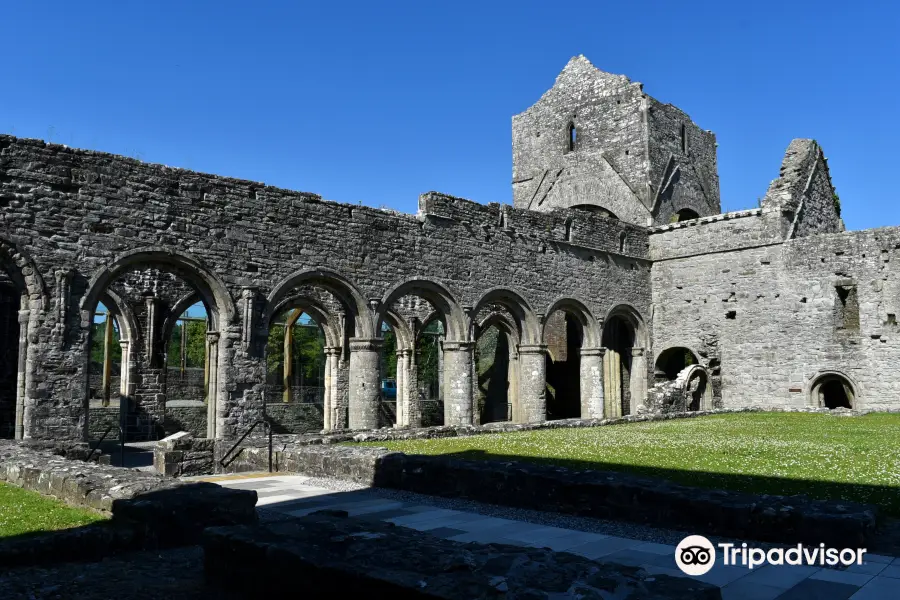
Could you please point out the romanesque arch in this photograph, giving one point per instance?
(457, 348)
(833, 389)
(151, 323)
(625, 339)
(573, 360)
(23, 296)
(501, 394)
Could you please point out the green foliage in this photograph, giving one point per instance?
(195, 350)
(98, 333)
(24, 511)
(389, 355)
(852, 458)
(308, 351)
(427, 349)
(837, 202)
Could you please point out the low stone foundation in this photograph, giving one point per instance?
(325, 554)
(597, 494)
(147, 510)
(186, 415)
(183, 455)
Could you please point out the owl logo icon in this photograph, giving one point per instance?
(695, 555)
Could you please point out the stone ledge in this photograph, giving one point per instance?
(596, 494)
(325, 553)
(157, 510)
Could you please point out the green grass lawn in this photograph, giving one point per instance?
(24, 511)
(850, 458)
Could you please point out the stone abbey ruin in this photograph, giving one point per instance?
(613, 285)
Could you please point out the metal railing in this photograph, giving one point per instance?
(225, 461)
(100, 441)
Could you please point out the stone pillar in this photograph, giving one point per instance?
(212, 395)
(457, 388)
(404, 395)
(513, 379)
(592, 396)
(413, 405)
(638, 383)
(533, 383)
(612, 384)
(328, 396)
(24, 318)
(365, 376)
(340, 379)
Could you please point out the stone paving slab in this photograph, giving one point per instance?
(878, 578)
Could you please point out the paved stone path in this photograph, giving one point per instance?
(877, 578)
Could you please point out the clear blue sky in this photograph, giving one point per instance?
(379, 101)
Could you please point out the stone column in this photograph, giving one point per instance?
(513, 380)
(212, 395)
(638, 383)
(365, 375)
(612, 384)
(533, 383)
(327, 416)
(457, 388)
(592, 397)
(413, 405)
(405, 387)
(24, 318)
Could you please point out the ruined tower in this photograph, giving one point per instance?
(595, 140)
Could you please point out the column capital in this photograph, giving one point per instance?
(25, 315)
(212, 336)
(532, 348)
(404, 352)
(458, 346)
(332, 350)
(637, 352)
(366, 344)
(592, 351)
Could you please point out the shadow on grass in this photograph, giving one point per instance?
(886, 498)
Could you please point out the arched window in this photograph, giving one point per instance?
(831, 391)
(683, 138)
(573, 136)
(685, 214)
(622, 238)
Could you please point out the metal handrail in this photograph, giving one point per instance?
(100, 441)
(268, 426)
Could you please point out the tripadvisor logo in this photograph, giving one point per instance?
(695, 555)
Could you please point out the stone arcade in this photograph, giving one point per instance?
(612, 274)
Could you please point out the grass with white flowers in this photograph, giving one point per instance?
(822, 456)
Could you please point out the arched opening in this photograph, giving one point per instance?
(624, 366)
(296, 372)
(148, 300)
(492, 367)
(673, 361)
(429, 373)
(187, 369)
(572, 137)
(388, 413)
(10, 304)
(418, 301)
(698, 394)
(685, 214)
(564, 336)
(832, 391)
(104, 375)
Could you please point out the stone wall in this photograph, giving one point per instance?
(598, 494)
(77, 220)
(769, 312)
(295, 417)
